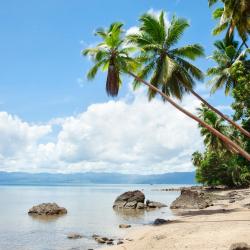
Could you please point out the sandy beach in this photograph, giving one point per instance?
(216, 227)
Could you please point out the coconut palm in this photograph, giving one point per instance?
(167, 66)
(164, 64)
(112, 55)
(225, 55)
(235, 14)
(212, 142)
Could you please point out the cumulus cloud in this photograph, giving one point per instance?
(128, 136)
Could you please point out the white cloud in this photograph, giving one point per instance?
(129, 136)
(132, 30)
(17, 136)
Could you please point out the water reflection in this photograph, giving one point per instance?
(46, 218)
(130, 213)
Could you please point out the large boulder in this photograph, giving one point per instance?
(135, 200)
(129, 200)
(47, 209)
(190, 199)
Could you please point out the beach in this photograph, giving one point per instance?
(216, 227)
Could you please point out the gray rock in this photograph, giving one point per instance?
(191, 200)
(110, 242)
(131, 204)
(154, 204)
(47, 209)
(74, 236)
(124, 226)
(159, 222)
(129, 200)
(239, 246)
(140, 205)
(100, 240)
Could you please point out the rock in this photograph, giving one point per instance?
(247, 205)
(191, 200)
(124, 226)
(140, 205)
(129, 200)
(119, 242)
(159, 222)
(131, 204)
(74, 236)
(47, 209)
(154, 204)
(95, 236)
(239, 246)
(100, 240)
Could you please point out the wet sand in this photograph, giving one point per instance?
(216, 227)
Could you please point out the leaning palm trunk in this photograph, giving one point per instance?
(245, 132)
(225, 139)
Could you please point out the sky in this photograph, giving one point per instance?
(53, 120)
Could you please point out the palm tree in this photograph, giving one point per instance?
(225, 55)
(166, 66)
(212, 142)
(112, 55)
(235, 14)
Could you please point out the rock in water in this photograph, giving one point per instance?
(159, 222)
(240, 246)
(124, 226)
(47, 209)
(191, 200)
(129, 199)
(74, 236)
(154, 204)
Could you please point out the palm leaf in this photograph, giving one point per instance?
(176, 30)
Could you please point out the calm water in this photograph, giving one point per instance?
(89, 212)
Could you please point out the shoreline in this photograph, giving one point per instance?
(217, 227)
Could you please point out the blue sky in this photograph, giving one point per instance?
(51, 116)
(42, 72)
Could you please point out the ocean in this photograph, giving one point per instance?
(89, 212)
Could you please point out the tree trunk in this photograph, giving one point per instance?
(245, 132)
(225, 139)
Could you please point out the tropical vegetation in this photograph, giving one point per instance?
(218, 164)
(152, 58)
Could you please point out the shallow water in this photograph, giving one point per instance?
(89, 212)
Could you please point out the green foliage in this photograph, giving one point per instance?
(166, 66)
(212, 142)
(241, 104)
(218, 165)
(241, 92)
(235, 14)
(220, 169)
(226, 54)
(111, 55)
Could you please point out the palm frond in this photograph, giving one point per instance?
(189, 51)
(151, 25)
(176, 30)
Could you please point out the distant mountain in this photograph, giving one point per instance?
(20, 178)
